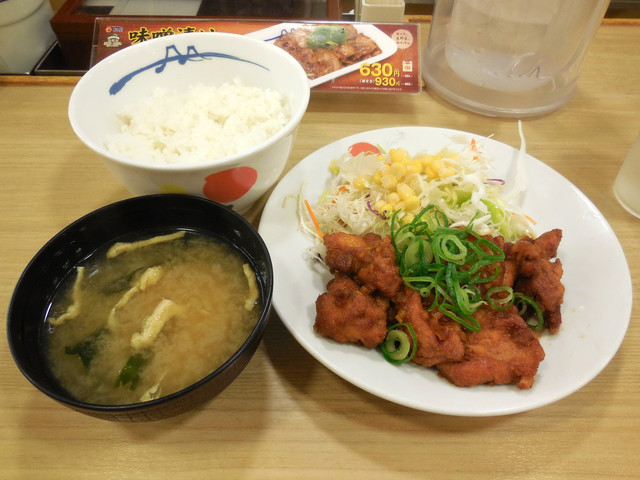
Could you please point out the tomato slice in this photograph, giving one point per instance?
(363, 147)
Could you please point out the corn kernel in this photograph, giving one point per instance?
(424, 158)
(404, 191)
(399, 206)
(446, 172)
(398, 169)
(389, 182)
(387, 208)
(414, 166)
(377, 177)
(361, 182)
(433, 169)
(407, 218)
(399, 155)
(379, 205)
(412, 203)
(393, 198)
(430, 172)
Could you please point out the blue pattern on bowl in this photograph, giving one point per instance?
(192, 55)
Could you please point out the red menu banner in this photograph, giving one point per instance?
(385, 59)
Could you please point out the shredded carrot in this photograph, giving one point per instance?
(474, 147)
(314, 219)
(533, 222)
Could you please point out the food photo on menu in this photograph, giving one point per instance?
(323, 49)
(337, 56)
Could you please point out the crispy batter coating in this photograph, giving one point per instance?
(538, 276)
(371, 259)
(505, 351)
(348, 314)
(439, 339)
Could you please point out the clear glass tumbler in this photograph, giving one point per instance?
(626, 187)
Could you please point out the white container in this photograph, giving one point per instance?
(25, 34)
(626, 187)
(513, 58)
(380, 11)
(174, 63)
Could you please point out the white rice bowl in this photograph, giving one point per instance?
(206, 138)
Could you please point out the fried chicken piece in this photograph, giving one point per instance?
(348, 314)
(370, 259)
(505, 351)
(538, 276)
(439, 338)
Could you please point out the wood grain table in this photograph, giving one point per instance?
(287, 416)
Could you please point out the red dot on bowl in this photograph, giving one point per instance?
(229, 185)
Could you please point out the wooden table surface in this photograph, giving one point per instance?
(287, 416)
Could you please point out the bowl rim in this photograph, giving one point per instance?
(69, 400)
(95, 71)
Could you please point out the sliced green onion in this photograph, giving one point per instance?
(398, 347)
(450, 248)
(497, 214)
(500, 303)
(465, 320)
(403, 239)
(419, 251)
(447, 264)
(523, 302)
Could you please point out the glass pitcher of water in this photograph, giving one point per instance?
(509, 57)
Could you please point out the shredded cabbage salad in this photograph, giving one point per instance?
(369, 185)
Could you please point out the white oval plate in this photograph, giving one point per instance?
(597, 302)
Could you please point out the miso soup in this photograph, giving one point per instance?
(147, 318)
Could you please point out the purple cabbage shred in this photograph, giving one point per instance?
(376, 212)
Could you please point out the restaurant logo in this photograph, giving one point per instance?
(113, 41)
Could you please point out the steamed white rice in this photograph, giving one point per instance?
(203, 123)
